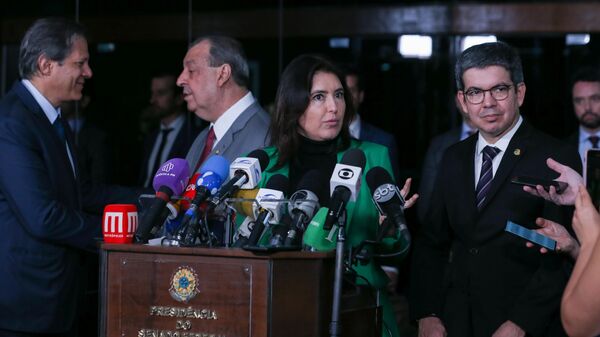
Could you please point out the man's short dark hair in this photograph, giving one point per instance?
(162, 73)
(226, 50)
(352, 70)
(585, 74)
(52, 37)
(486, 55)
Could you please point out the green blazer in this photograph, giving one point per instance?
(362, 216)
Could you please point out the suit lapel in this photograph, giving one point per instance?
(50, 133)
(238, 125)
(467, 180)
(515, 150)
(45, 124)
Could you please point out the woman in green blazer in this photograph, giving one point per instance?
(309, 130)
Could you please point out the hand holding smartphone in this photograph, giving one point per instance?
(533, 182)
(530, 235)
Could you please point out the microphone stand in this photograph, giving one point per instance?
(335, 327)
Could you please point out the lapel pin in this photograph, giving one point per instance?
(517, 152)
(217, 152)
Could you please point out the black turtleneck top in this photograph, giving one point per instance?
(319, 155)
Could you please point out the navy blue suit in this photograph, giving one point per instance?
(373, 134)
(43, 229)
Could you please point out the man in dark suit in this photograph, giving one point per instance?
(433, 157)
(469, 276)
(585, 94)
(215, 81)
(43, 225)
(362, 130)
(176, 131)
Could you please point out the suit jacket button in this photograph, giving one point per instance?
(473, 251)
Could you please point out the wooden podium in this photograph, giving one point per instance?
(219, 292)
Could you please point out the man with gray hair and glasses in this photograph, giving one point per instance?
(470, 277)
(43, 195)
(215, 80)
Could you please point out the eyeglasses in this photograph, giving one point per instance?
(476, 95)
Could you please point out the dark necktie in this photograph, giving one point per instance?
(486, 176)
(208, 145)
(161, 147)
(594, 140)
(60, 129)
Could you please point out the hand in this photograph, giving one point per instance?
(431, 327)
(586, 220)
(392, 274)
(568, 175)
(565, 243)
(509, 329)
(408, 203)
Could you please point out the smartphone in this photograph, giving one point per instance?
(530, 235)
(533, 182)
(591, 174)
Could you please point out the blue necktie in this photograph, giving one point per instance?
(486, 176)
(60, 129)
(594, 140)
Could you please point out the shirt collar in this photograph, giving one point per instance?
(503, 142)
(584, 135)
(50, 112)
(355, 127)
(176, 124)
(223, 123)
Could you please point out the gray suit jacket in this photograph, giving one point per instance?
(250, 131)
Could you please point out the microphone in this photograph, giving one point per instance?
(316, 238)
(169, 180)
(212, 174)
(119, 222)
(303, 205)
(344, 184)
(269, 209)
(189, 193)
(169, 213)
(244, 173)
(388, 200)
(245, 206)
(279, 232)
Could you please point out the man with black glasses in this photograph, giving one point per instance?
(470, 277)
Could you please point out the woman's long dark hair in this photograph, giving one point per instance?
(293, 97)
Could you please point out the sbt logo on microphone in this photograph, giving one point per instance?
(119, 223)
(386, 192)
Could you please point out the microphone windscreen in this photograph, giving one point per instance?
(315, 182)
(278, 182)
(318, 238)
(245, 207)
(216, 164)
(174, 174)
(354, 157)
(378, 176)
(262, 156)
